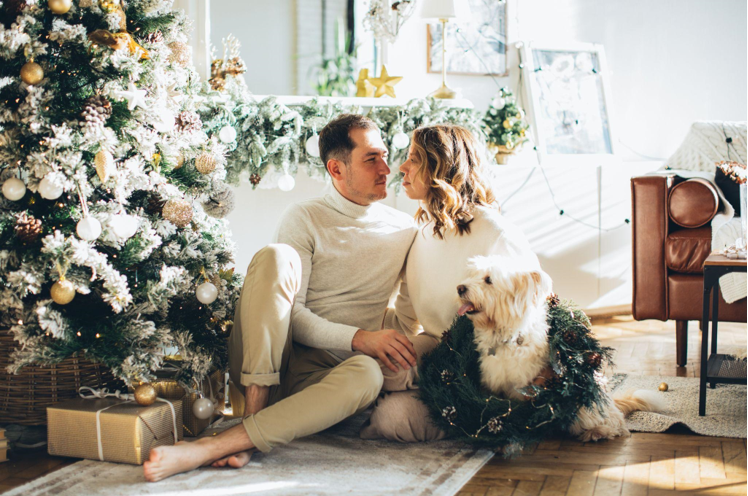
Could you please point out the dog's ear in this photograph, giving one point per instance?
(543, 284)
(530, 287)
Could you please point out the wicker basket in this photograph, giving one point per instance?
(24, 397)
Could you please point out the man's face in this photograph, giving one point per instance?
(364, 179)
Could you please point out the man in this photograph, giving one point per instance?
(307, 346)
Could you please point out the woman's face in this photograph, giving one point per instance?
(413, 184)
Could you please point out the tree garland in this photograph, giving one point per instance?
(450, 385)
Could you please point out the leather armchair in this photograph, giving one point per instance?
(672, 237)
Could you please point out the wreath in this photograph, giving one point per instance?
(450, 385)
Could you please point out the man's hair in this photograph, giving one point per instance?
(335, 140)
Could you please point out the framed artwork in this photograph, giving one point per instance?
(568, 102)
(474, 47)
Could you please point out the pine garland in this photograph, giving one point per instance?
(450, 385)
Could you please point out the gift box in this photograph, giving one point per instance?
(112, 429)
(212, 388)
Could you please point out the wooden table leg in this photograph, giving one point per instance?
(715, 320)
(704, 347)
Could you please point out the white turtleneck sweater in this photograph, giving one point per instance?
(351, 259)
(436, 267)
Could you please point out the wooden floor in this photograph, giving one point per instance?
(655, 464)
(641, 464)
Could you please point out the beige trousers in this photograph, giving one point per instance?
(399, 414)
(309, 389)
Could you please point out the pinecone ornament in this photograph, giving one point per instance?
(553, 300)
(450, 414)
(28, 229)
(495, 425)
(153, 38)
(255, 179)
(189, 122)
(594, 360)
(155, 204)
(570, 337)
(96, 110)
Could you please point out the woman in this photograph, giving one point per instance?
(458, 219)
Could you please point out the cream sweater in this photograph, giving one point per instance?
(436, 267)
(351, 259)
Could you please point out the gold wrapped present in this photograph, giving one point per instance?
(212, 388)
(112, 429)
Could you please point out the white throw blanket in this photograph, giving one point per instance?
(725, 230)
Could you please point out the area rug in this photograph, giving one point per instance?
(334, 462)
(725, 406)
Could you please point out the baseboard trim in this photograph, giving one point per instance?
(611, 311)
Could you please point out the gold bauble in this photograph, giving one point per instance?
(180, 161)
(205, 163)
(663, 386)
(60, 6)
(62, 292)
(178, 212)
(145, 395)
(109, 6)
(104, 162)
(181, 53)
(32, 73)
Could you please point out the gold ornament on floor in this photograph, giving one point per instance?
(364, 88)
(181, 53)
(32, 73)
(663, 387)
(60, 6)
(62, 292)
(104, 163)
(385, 84)
(178, 212)
(205, 163)
(145, 395)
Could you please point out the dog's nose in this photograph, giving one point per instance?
(461, 289)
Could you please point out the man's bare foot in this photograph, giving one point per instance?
(165, 461)
(237, 460)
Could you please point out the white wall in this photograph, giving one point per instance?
(673, 62)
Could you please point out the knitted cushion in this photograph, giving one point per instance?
(706, 144)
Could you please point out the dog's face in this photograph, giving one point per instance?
(499, 292)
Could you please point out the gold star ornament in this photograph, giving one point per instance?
(385, 84)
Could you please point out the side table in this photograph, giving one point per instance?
(717, 368)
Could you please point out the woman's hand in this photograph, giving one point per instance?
(384, 344)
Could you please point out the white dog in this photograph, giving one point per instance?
(506, 300)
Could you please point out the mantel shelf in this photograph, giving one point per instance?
(291, 100)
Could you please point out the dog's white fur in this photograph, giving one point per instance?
(507, 296)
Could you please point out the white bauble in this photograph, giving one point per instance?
(202, 408)
(227, 134)
(124, 226)
(312, 146)
(498, 103)
(88, 228)
(165, 120)
(207, 293)
(48, 189)
(400, 140)
(286, 183)
(14, 189)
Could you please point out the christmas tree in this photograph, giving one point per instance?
(111, 241)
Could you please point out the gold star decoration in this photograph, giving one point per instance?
(385, 83)
(363, 87)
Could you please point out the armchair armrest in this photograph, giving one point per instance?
(650, 220)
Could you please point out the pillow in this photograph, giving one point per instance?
(729, 188)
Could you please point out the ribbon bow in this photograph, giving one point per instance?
(104, 393)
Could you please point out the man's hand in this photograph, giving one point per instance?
(384, 344)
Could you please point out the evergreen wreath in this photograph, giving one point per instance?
(450, 385)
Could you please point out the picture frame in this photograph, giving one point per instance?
(479, 48)
(568, 101)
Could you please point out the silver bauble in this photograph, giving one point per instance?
(312, 146)
(207, 293)
(88, 228)
(202, 408)
(48, 189)
(400, 140)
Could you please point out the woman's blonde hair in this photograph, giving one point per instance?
(449, 164)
